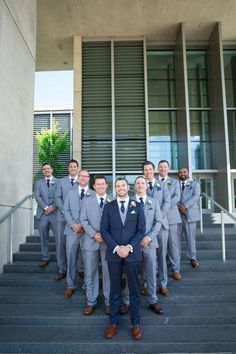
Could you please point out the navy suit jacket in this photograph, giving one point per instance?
(115, 233)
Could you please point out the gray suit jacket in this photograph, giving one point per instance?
(63, 187)
(91, 215)
(45, 196)
(173, 214)
(153, 219)
(72, 208)
(190, 198)
(161, 193)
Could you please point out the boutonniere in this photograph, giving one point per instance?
(169, 183)
(88, 194)
(149, 202)
(52, 182)
(132, 204)
(157, 186)
(108, 200)
(188, 185)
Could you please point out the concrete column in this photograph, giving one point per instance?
(77, 117)
(218, 119)
(183, 120)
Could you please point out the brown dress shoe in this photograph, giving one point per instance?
(164, 291)
(107, 310)
(144, 291)
(111, 331)
(68, 293)
(88, 310)
(177, 276)
(43, 263)
(60, 276)
(124, 309)
(136, 332)
(194, 263)
(156, 308)
(81, 275)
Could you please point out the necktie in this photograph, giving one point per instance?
(163, 179)
(101, 202)
(72, 181)
(48, 183)
(82, 194)
(150, 186)
(183, 186)
(122, 208)
(141, 201)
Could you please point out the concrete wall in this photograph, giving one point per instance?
(17, 67)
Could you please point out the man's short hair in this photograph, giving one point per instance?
(73, 161)
(99, 177)
(163, 161)
(145, 163)
(141, 176)
(46, 163)
(121, 179)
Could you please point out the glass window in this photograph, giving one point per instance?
(230, 77)
(161, 79)
(200, 140)
(197, 79)
(206, 187)
(232, 137)
(163, 137)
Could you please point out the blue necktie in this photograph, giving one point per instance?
(150, 186)
(72, 181)
(82, 194)
(141, 201)
(183, 186)
(48, 183)
(101, 202)
(122, 208)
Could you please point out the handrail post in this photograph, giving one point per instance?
(223, 235)
(201, 218)
(32, 216)
(9, 240)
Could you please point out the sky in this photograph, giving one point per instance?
(53, 87)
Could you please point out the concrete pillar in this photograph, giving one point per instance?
(183, 120)
(218, 119)
(77, 117)
(17, 71)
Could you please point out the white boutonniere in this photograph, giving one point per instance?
(108, 200)
(157, 186)
(188, 185)
(132, 204)
(169, 183)
(149, 202)
(88, 194)
(52, 182)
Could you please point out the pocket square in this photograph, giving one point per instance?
(132, 212)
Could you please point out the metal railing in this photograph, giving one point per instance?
(10, 216)
(222, 212)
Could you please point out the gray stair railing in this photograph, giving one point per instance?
(10, 216)
(222, 212)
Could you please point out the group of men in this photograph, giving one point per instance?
(131, 235)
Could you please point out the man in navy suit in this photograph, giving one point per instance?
(123, 228)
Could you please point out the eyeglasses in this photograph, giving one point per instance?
(84, 176)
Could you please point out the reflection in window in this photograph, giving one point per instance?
(206, 187)
(163, 137)
(200, 140)
(230, 77)
(232, 137)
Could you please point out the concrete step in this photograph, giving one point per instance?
(90, 339)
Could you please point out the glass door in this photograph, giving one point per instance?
(206, 186)
(233, 181)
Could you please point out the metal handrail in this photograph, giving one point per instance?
(10, 214)
(222, 212)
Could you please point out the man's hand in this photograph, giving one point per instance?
(123, 251)
(98, 237)
(145, 242)
(183, 209)
(49, 210)
(77, 228)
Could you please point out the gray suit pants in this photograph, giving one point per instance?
(73, 243)
(189, 229)
(61, 246)
(91, 262)
(44, 226)
(174, 247)
(162, 238)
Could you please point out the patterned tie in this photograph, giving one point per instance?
(48, 183)
(183, 186)
(150, 186)
(141, 201)
(122, 208)
(101, 202)
(82, 194)
(72, 181)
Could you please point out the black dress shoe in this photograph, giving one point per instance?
(194, 263)
(156, 308)
(60, 276)
(43, 263)
(124, 309)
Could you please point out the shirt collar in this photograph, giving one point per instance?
(126, 202)
(143, 196)
(48, 178)
(102, 196)
(84, 188)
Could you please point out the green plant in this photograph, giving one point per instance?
(51, 145)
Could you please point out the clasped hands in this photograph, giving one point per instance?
(123, 251)
(77, 228)
(183, 209)
(49, 210)
(98, 237)
(145, 242)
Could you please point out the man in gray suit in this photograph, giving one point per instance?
(46, 210)
(74, 229)
(94, 247)
(149, 244)
(188, 207)
(63, 187)
(158, 190)
(173, 217)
